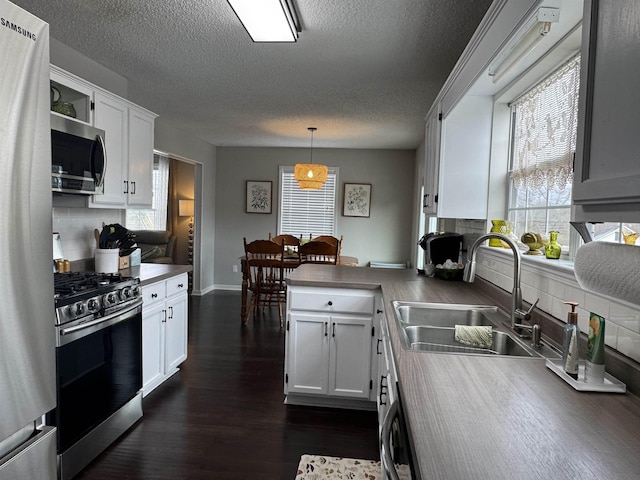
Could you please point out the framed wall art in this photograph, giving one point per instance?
(258, 196)
(357, 200)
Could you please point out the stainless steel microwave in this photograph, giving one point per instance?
(78, 157)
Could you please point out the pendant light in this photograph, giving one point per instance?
(310, 176)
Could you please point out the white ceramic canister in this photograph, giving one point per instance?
(106, 260)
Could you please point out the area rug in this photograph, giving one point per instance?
(321, 467)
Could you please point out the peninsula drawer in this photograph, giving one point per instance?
(342, 300)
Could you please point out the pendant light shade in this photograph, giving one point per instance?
(310, 176)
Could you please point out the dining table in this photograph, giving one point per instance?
(290, 263)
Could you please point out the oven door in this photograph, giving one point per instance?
(98, 371)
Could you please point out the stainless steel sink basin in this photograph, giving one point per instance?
(430, 327)
(441, 339)
(444, 314)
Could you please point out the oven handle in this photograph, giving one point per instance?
(67, 331)
(385, 442)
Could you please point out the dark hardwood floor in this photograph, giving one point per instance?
(222, 416)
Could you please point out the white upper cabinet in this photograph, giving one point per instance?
(112, 117)
(431, 163)
(66, 88)
(140, 165)
(465, 154)
(129, 136)
(607, 165)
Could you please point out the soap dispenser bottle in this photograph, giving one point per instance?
(570, 342)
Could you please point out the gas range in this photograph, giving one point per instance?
(85, 296)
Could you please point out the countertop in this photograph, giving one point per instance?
(149, 273)
(477, 417)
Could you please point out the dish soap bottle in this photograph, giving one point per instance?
(553, 249)
(570, 342)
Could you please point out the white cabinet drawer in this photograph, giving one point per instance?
(177, 284)
(332, 300)
(156, 292)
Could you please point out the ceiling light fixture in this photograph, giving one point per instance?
(310, 176)
(268, 20)
(536, 28)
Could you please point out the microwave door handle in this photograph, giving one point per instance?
(385, 442)
(99, 144)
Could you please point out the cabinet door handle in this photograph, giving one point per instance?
(330, 303)
(133, 188)
(326, 330)
(181, 285)
(164, 320)
(154, 295)
(378, 352)
(171, 314)
(333, 329)
(379, 310)
(126, 187)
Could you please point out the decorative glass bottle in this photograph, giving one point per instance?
(498, 226)
(553, 249)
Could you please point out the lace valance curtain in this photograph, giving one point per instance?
(545, 130)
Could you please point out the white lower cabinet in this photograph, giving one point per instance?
(164, 330)
(331, 338)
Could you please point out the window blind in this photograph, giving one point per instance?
(307, 212)
(545, 130)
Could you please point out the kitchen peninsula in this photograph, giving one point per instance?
(484, 417)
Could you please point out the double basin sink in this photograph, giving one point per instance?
(430, 327)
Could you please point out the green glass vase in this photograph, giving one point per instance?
(553, 249)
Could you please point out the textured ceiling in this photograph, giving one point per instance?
(364, 72)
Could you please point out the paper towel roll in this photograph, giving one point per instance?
(610, 269)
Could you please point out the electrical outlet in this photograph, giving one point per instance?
(234, 268)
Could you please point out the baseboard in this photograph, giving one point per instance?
(330, 402)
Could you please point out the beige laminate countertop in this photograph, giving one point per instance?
(149, 273)
(490, 418)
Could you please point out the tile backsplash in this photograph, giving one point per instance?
(553, 282)
(76, 226)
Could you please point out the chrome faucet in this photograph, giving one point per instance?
(518, 314)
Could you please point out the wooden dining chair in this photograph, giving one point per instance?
(318, 252)
(330, 239)
(292, 256)
(289, 241)
(265, 265)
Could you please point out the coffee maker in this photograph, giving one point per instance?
(440, 246)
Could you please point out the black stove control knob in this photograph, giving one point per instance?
(135, 291)
(79, 308)
(125, 293)
(93, 305)
(111, 298)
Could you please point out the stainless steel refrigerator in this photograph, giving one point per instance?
(27, 341)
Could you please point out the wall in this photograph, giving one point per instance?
(554, 282)
(386, 236)
(175, 142)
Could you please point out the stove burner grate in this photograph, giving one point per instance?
(69, 283)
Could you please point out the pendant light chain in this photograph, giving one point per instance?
(311, 129)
